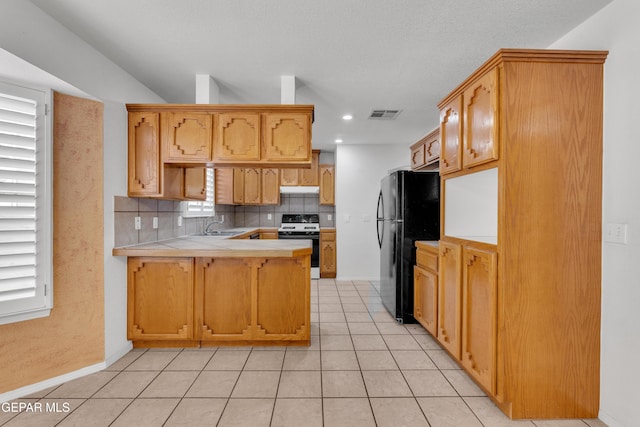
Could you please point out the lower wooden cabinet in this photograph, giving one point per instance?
(328, 268)
(218, 301)
(450, 296)
(479, 314)
(425, 286)
(160, 299)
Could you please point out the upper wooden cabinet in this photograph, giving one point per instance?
(287, 137)
(187, 137)
(450, 135)
(426, 152)
(237, 137)
(247, 186)
(145, 166)
(307, 176)
(480, 121)
(209, 135)
(327, 185)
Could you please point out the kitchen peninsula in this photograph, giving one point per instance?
(196, 291)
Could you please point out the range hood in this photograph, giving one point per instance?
(299, 189)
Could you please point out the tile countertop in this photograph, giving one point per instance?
(218, 246)
(432, 243)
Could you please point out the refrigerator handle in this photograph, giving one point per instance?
(380, 218)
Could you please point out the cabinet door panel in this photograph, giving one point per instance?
(328, 254)
(160, 298)
(224, 313)
(310, 176)
(252, 186)
(425, 299)
(287, 137)
(481, 121)
(195, 183)
(223, 182)
(417, 156)
(270, 186)
(449, 297)
(479, 315)
(327, 185)
(187, 137)
(237, 137)
(145, 172)
(450, 136)
(289, 176)
(282, 284)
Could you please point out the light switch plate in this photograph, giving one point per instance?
(155, 222)
(137, 223)
(615, 233)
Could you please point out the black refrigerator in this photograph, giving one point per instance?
(408, 210)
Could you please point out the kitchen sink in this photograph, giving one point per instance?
(219, 233)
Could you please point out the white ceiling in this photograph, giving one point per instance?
(348, 56)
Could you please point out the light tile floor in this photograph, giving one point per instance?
(362, 369)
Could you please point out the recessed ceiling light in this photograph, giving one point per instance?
(347, 117)
(338, 141)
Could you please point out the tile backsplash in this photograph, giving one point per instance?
(169, 211)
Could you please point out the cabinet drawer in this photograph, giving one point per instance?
(427, 260)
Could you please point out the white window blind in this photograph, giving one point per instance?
(206, 207)
(25, 208)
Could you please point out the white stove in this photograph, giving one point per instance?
(303, 226)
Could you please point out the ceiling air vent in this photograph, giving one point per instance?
(384, 114)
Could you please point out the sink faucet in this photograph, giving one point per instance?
(212, 223)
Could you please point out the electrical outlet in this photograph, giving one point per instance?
(179, 220)
(329, 217)
(269, 217)
(615, 233)
(137, 223)
(155, 222)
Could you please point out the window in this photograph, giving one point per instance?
(25, 205)
(204, 208)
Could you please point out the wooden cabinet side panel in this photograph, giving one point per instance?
(551, 323)
(451, 136)
(449, 297)
(160, 298)
(479, 314)
(283, 298)
(225, 305)
(480, 120)
(144, 167)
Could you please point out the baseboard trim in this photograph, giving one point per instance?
(34, 388)
(126, 348)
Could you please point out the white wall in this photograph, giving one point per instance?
(616, 29)
(30, 34)
(359, 169)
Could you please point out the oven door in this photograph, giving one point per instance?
(315, 239)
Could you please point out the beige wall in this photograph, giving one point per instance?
(72, 337)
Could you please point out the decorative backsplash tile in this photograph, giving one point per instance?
(169, 211)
